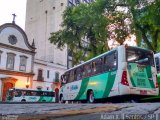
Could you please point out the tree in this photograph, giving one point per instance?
(86, 28)
(119, 27)
(88, 23)
(146, 16)
(84, 24)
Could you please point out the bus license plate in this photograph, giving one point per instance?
(143, 92)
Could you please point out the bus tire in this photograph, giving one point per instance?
(23, 100)
(90, 97)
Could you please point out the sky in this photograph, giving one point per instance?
(8, 7)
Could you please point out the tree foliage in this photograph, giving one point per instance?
(83, 28)
(146, 16)
(87, 28)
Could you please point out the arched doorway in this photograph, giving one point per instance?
(6, 87)
(7, 83)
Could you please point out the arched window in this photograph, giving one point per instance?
(23, 63)
(40, 75)
(56, 76)
(10, 61)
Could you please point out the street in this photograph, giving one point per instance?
(55, 111)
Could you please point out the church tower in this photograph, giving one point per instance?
(42, 18)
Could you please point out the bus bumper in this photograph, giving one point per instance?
(125, 90)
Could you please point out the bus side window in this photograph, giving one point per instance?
(94, 67)
(157, 64)
(51, 94)
(45, 94)
(85, 72)
(66, 77)
(100, 65)
(71, 76)
(18, 93)
(28, 93)
(110, 62)
(75, 74)
(114, 64)
(89, 69)
(39, 93)
(106, 63)
(97, 66)
(33, 93)
(79, 73)
(23, 93)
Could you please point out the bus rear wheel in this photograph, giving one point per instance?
(91, 98)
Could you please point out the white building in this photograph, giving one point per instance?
(16, 59)
(42, 18)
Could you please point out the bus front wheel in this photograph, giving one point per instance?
(91, 98)
(23, 100)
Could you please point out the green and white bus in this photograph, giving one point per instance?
(30, 95)
(124, 71)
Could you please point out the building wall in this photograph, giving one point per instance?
(42, 18)
(3, 62)
(48, 81)
(12, 31)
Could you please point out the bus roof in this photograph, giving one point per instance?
(103, 55)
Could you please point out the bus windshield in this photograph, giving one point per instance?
(140, 56)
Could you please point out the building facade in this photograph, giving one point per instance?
(16, 59)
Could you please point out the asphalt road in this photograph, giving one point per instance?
(54, 111)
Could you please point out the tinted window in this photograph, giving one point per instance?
(18, 93)
(71, 76)
(78, 74)
(157, 64)
(110, 61)
(140, 56)
(97, 66)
